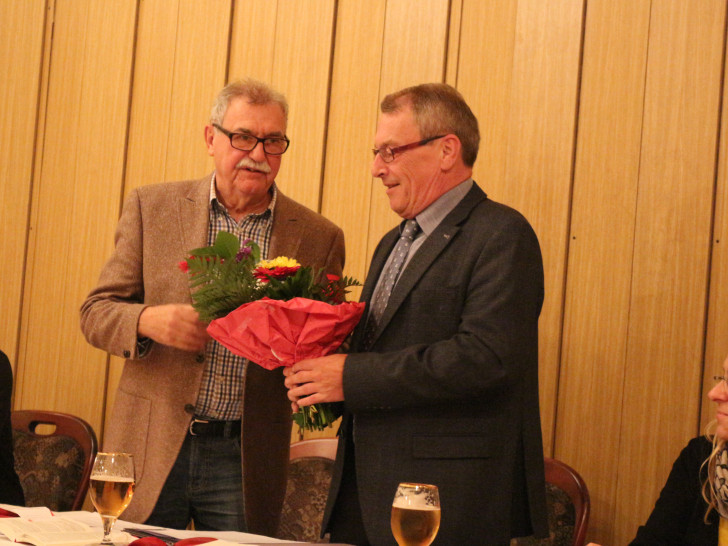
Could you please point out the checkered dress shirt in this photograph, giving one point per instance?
(221, 390)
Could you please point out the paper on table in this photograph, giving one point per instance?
(55, 531)
(32, 512)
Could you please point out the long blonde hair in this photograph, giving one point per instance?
(708, 489)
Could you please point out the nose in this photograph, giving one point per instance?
(258, 153)
(379, 167)
(718, 393)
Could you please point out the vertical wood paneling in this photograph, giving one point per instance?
(599, 273)
(541, 137)
(301, 69)
(524, 94)
(83, 150)
(19, 97)
(716, 339)
(672, 236)
(272, 42)
(352, 120)
(151, 106)
(453, 42)
(484, 77)
(413, 52)
(199, 73)
(253, 39)
(184, 45)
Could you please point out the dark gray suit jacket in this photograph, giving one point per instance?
(448, 393)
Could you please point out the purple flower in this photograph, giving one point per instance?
(244, 252)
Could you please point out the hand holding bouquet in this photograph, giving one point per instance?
(274, 313)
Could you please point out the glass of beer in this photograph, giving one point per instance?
(112, 485)
(415, 514)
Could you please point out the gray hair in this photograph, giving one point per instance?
(255, 91)
(439, 109)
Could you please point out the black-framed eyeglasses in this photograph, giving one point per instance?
(246, 142)
(387, 154)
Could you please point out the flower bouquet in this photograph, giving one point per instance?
(274, 312)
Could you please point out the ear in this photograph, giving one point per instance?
(209, 135)
(451, 151)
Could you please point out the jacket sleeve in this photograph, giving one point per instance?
(110, 313)
(677, 517)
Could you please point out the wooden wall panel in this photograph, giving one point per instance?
(485, 78)
(82, 156)
(188, 41)
(413, 52)
(601, 242)
(539, 160)
(672, 235)
(199, 73)
(301, 70)
(19, 96)
(253, 39)
(348, 184)
(151, 104)
(273, 43)
(716, 339)
(524, 94)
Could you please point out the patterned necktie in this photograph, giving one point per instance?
(389, 278)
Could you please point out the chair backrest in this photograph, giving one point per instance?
(54, 468)
(568, 480)
(567, 503)
(309, 477)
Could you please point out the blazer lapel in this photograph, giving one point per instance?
(194, 215)
(425, 256)
(287, 229)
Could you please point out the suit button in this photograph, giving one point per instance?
(200, 357)
(127, 354)
(189, 408)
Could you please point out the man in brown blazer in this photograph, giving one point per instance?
(441, 384)
(209, 431)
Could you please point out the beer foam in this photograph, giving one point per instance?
(413, 503)
(107, 478)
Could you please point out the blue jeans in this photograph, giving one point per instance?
(205, 486)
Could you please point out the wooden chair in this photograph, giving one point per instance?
(569, 481)
(54, 467)
(567, 503)
(309, 477)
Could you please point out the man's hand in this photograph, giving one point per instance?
(316, 380)
(175, 324)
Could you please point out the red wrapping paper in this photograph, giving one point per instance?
(274, 333)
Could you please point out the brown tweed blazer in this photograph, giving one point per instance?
(159, 224)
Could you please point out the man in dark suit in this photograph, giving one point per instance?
(10, 490)
(441, 384)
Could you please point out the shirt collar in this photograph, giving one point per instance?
(217, 205)
(431, 217)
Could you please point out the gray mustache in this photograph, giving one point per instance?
(248, 163)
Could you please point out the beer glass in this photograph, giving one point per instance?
(112, 485)
(415, 514)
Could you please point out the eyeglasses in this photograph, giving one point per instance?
(387, 153)
(719, 378)
(246, 142)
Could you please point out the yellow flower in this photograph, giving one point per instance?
(280, 261)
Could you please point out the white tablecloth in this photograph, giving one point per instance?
(92, 519)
